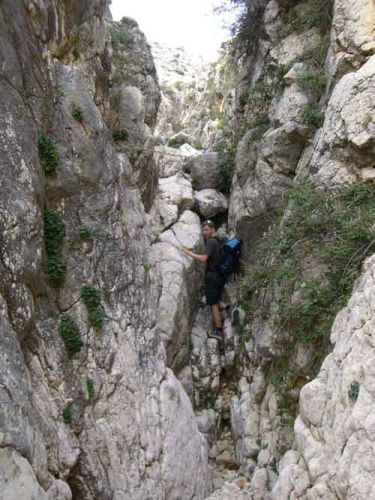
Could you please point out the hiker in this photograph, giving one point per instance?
(214, 281)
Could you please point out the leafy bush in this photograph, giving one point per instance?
(259, 96)
(312, 115)
(313, 81)
(353, 391)
(90, 295)
(85, 233)
(48, 154)
(172, 143)
(70, 334)
(335, 230)
(54, 235)
(119, 36)
(90, 387)
(77, 113)
(120, 135)
(318, 13)
(226, 156)
(67, 415)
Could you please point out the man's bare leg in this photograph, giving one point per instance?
(217, 318)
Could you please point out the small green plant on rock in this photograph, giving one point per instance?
(299, 18)
(70, 334)
(48, 154)
(226, 155)
(312, 81)
(90, 295)
(147, 267)
(312, 115)
(77, 113)
(85, 233)
(120, 135)
(353, 391)
(172, 143)
(90, 387)
(67, 415)
(54, 235)
(119, 36)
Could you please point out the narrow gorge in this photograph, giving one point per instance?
(113, 152)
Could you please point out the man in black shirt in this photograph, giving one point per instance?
(214, 282)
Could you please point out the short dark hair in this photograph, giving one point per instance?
(209, 223)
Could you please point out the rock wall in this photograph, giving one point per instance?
(279, 148)
(333, 432)
(102, 417)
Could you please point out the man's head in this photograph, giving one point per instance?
(208, 228)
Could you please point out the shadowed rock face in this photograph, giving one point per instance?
(135, 436)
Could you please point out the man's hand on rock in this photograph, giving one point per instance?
(185, 251)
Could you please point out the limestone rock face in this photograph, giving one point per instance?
(179, 282)
(111, 421)
(354, 25)
(345, 147)
(334, 429)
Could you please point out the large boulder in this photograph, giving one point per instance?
(211, 202)
(176, 190)
(205, 171)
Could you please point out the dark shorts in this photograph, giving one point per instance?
(213, 287)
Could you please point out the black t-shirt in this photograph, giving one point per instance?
(213, 252)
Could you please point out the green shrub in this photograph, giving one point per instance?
(85, 233)
(70, 334)
(312, 115)
(67, 415)
(172, 143)
(119, 36)
(197, 145)
(335, 230)
(120, 135)
(90, 295)
(318, 13)
(55, 268)
(48, 154)
(353, 391)
(77, 113)
(226, 156)
(90, 387)
(313, 81)
(54, 235)
(259, 96)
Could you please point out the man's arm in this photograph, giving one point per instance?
(195, 256)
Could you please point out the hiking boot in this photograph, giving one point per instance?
(216, 334)
(227, 312)
(235, 317)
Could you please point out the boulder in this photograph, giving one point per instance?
(176, 190)
(205, 171)
(210, 202)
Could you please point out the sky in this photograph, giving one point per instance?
(188, 23)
